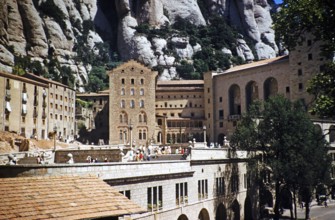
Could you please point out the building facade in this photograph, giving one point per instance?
(34, 106)
(60, 102)
(132, 118)
(95, 117)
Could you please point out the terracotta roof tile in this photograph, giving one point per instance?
(62, 198)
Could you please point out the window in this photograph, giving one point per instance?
(155, 198)
(141, 103)
(301, 87)
(192, 114)
(132, 104)
(122, 91)
(221, 116)
(142, 81)
(132, 81)
(220, 186)
(132, 91)
(221, 124)
(287, 89)
(310, 56)
(122, 81)
(309, 42)
(220, 99)
(141, 91)
(208, 101)
(123, 104)
(234, 182)
(126, 193)
(208, 90)
(202, 189)
(181, 193)
(299, 72)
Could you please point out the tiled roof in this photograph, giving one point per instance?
(64, 197)
(23, 79)
(256, 64)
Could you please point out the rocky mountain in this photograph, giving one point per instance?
(74, 33)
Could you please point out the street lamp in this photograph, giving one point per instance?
(55, 133)
(130, 126)
(204, 128)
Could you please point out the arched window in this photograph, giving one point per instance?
(234, 100)
(140, 118)
(251, 93)
(122, 91)
(141, 103)
(141, 81)
(141, 91)
(122, 81)
(132, 91)
(121, 118)
(123, 104)
(270, 87)
(132, 104)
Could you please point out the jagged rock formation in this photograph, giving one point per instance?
(29, 28)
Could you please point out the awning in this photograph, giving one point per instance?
(24, 109)
(24, 97)
(8, 108)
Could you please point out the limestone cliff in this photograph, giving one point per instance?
(48, 30)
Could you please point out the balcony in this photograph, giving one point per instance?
(234, 117)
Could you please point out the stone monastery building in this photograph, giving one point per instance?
(146, 110)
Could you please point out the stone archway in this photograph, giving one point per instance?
(203, 215)
(221, 212)
(251, 93)
(270, 88)
(234, 100)
(182, 217)
(235, 207)
(248, 209)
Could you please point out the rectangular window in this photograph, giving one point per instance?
(234, 183)
(299, 72)
(301, 87)
(221, 116)
(310, 56)
(220, 186)
(155, 198)
(181, 193)
(287, 89)
(220, 99)
(126, 193)
(221, 124)
(202, 189)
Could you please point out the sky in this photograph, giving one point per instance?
(279, 1)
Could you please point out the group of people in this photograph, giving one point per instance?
(90, 159)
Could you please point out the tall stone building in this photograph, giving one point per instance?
(132, 104)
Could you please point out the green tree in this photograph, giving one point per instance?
(322, 86)
(297, 17)
(294, 150)
(97, 79)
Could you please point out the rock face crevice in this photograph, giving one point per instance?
(27, 30)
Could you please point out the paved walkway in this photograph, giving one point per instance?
(314, 210)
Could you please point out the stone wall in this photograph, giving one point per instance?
(80, 156)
